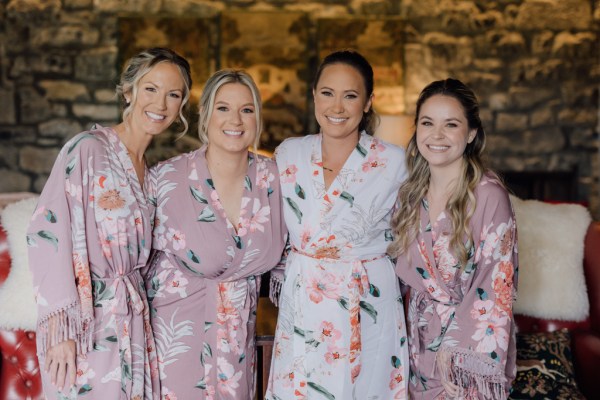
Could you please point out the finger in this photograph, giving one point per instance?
(72, 371)
(52, 369)
(60, 375)
(47, 363)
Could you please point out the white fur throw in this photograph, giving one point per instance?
(17, 305)
(551, 278)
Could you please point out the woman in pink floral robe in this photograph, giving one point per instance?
(462, 272)
(90, 236)
(204, 281)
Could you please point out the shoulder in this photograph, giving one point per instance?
(93, 141)
(178, 162)
(293, 145)
(490, 192)
(265, 162)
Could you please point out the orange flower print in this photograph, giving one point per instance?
(331, 252)
(506, 242)
(503, 286)
(111, 200)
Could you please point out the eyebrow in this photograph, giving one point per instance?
(446, 120)
(227, 103)
(345, 91)
(155, 85)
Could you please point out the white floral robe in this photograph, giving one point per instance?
(204, 280)
(341, 331)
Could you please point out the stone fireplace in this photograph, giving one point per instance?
(534, 64)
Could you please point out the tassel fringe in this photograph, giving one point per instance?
(275, 285)
(64, 324)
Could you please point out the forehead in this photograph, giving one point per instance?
(441, 105)
(165, 74)
(342, 75)
(234, 91)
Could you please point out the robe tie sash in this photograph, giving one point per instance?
(126, 293)
(358, 287)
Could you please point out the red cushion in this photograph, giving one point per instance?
(4, 256)
(19, 374)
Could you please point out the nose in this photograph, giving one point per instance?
(438, 132)
(162, 102)
(236, 118)
(338, 105)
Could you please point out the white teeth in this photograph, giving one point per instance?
(155, 116)
(336, 120)
(439, 148)
(233, 133)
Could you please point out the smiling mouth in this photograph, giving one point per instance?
(155, 117)
(233, 133)
(336, 120)
(438, 148)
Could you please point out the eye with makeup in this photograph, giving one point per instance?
(248, 110)
(175, 95)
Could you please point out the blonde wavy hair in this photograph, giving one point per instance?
(462, 202)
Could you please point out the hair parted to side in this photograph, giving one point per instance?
(207, 100)
(462, 202)
(354, 59)
(142, 63)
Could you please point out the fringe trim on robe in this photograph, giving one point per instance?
(275, 285)
(468, 370)
(65, 323)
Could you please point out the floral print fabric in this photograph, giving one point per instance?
(204, 280)
(340, 331)
(88, 239)
(463, 321)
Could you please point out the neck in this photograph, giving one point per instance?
(443, 180)
(135, 141)
(225, 163)
(337, 150)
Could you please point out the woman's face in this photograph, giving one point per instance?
(340, 101)
(232, 125)
(443, 132)
(159, 96)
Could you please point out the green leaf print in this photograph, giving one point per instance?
(374, 290)
(201, 384)
(361, 150)
(248, 183)
(482, 294)
(369, 309)
(71, 166)
(189, 268)
(50, 216)
(210, 183)
(207, 326)
(320, 389)
(396, 363)
(269, 191)
(75, 143)
(49, 237)
(198, 195)
(207, 215)
(388, 235)
(314, 343)
(242, 357)
(84, 389)
(402, 341)
(112, 339)
(299, 191)
(428, 227)
(348, 197)
(295, 209)
(238, 241)
(423, 273)
(31, 241)
(298, 331)
(207, 350)
(193, 256)
(437, 342)
(343, 302)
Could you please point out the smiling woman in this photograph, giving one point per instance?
(218, 228)
(89, 237)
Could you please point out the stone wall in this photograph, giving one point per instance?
(535, 65)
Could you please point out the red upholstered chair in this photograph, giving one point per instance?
(19, 369)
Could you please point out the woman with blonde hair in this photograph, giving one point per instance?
(218, 228)
(90, 236)
(455, 239)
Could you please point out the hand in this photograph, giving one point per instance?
(61, 365)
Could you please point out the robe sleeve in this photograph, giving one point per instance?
(58, 256)
(277, 275)
(478, 361)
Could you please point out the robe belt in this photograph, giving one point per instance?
(359, 287)
(125, 288)
(416, 332)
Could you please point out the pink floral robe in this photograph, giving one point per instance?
(93, 221)
(204, 281)
(465, 320)
(340, 332)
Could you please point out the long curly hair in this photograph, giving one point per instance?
(462, 202)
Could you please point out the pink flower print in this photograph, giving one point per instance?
(434, 290)
(490, 333)
(264, 176)
(288, 175)
(396, 378)
(73, 190)
(84, 373)
(168, 394)
(489, 240)
(504, 242)
(325, 285)
(503, 285)
(376, 146)
(228, 377)
(214, 201)
(261, 216)
(177, 238)
(445, 261)
(226, 341)
(373, 162)
(482, 309)
(334, 354)
(177, 284)
(328, 333)
(305, 237)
